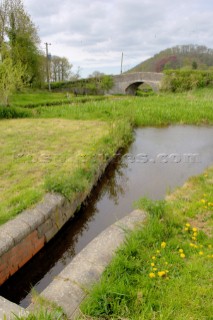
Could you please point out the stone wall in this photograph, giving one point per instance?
(22, 237)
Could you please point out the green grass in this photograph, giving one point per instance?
(31, 99)
(164, 270)
(162, 109)
(27, 173)
(40, 155)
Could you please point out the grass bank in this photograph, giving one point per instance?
(164, 270)
(33, 99)
(193, 107)
(41, 155)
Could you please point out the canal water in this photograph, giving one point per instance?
(158, 161)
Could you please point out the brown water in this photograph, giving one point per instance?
(159, 160)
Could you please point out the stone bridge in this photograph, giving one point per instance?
(129, 82)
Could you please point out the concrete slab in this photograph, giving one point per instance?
(8, 309)
(71, 286)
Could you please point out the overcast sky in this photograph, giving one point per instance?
(92, 34)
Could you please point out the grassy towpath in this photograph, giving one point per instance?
(164, 270)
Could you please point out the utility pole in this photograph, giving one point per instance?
(47, 65)
(122, 56)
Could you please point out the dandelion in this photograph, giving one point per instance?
(155, 269)
(182, 255)
(209, 246)
(195, 234)
(161, 273)
(152, 275)
(153, 258)
(194, 238)
(163, 245)
(186, 229)
(181, 250)
(187, 225)
(203, 201)
(194, 229)
(200, 253)
(152, 264)
(158, 251)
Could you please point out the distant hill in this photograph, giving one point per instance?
(180, 57)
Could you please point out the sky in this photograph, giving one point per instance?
(92, 34)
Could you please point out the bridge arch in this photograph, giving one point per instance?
(132, 87)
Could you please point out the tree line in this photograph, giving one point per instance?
(22, 62)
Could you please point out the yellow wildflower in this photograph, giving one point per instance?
(152, 264)
(161, 273)
(186, 229)
(153, 258)
(195, 234)
(163, 244)
(181, 250)
(203, 200)
(187, 225)
(194, 238)
(209, 246)
(200, 253)
(194, 229)
(182, 255)
(152, 275)
(155, 269)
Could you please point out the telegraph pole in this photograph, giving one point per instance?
(47, 65)
(122, 56)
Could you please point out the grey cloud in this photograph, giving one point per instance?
(101, 29)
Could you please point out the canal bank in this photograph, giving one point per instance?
(173, 153)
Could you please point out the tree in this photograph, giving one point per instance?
(194, 65)
(11, 79)
(19, 32)
(60, 69)
(99, 82)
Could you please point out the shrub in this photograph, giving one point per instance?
(184, 80)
